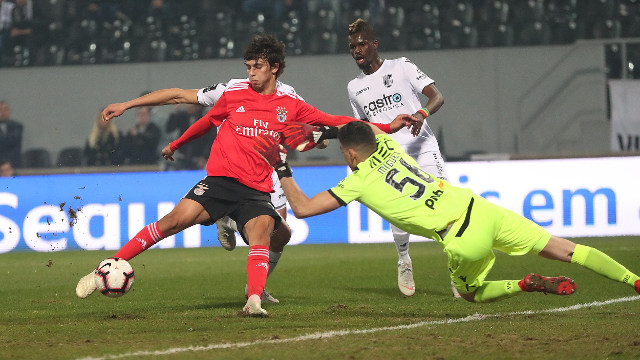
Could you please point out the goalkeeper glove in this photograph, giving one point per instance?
(303, 137)
(273, 153)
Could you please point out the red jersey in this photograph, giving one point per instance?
(248, 114)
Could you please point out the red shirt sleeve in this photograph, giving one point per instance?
(214, 117)
(311, 115)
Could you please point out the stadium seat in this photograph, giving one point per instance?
(633, 53)
(395, 39)
(393, 17)
(215, 37)
(461, 36)
(36, 158)
(323, 43)
(20, 56)
(70, 157)
(566, 31)
(461, 10)
(528, 11)
(598, 9)
(53, 50)
(500, 34)
(534, 33)
(563, 9)
(423, 14)
(492, 12)
(324, 20)
(290, 33)
(613, 61)
(629, 15)
(426, 37)
(606, 28)
(182, 41)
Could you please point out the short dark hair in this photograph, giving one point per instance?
(266, 46)
(358, 135)
(361, 26)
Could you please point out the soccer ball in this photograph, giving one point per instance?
(114, 277)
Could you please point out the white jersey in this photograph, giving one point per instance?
(210, 95)
(393, 89)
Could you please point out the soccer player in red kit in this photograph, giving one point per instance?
(238, 180)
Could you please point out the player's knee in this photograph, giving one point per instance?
(280, 237)
(558, 249)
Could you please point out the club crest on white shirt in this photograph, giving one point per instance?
(387, 80)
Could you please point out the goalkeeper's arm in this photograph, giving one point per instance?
(301, 205)
(276, 156)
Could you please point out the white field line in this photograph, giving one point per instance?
(331, 334)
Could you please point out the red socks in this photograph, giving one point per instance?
(143, 240)
(257, 269)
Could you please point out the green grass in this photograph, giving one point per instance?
(190, 297)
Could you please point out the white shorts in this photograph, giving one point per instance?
(433, 163)
(278, 199)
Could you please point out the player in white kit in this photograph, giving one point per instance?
(384, 89)
(226, 227)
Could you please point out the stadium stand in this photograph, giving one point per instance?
(74, 32)
(101, 31)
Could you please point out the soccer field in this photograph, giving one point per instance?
(337, 302)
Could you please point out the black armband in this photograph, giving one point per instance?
(328, 132)
(283, 170)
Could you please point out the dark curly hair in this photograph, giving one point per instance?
(267, 47)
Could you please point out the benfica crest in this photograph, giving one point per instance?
(282, 114)
(201, 188)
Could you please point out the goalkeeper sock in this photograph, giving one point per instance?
(601, 263)
(274, 257)
(497, 290)
(257, 269)
(401, 238)
(143, 240)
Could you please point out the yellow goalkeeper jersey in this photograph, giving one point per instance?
(390, 183)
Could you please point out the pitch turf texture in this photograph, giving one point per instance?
(184, 305)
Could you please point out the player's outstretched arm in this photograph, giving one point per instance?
(401, 121)
(304, 207)
(155, 98)
(167, 153)
(303, 137)
(276, 156)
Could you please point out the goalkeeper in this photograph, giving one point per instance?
(467, 226)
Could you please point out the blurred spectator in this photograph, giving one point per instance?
(141, 142)
(371, 9)
(157, 118)
(159, 17)
(272, 10)
(152, 31)
(6, 170)
(5, 23)
(103, 146)
(10, 136)
(24, 34)
(194, 154)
